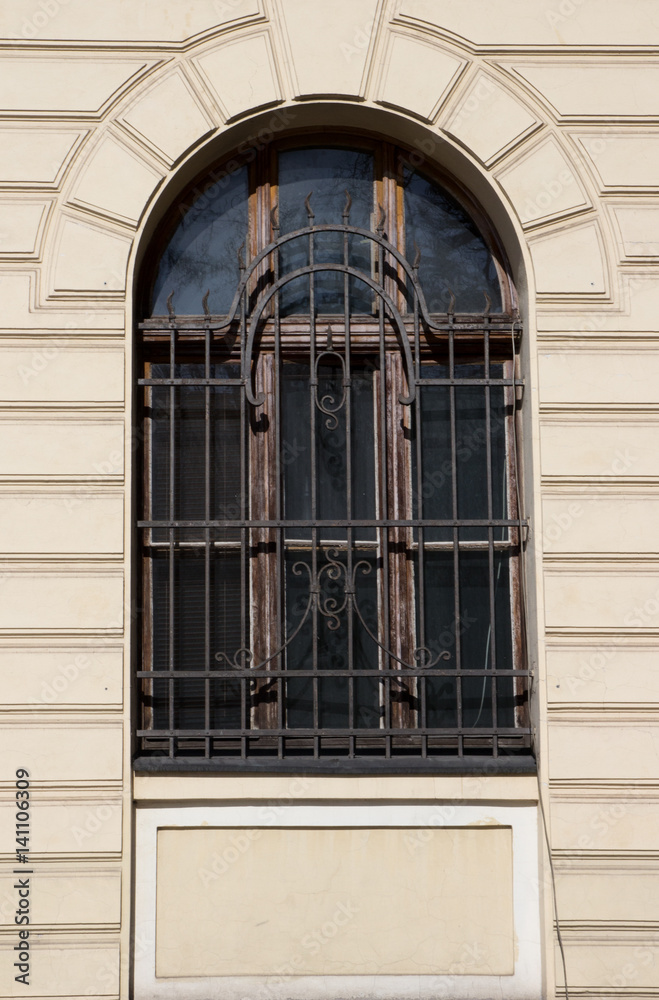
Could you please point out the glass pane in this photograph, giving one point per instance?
(190, 443)
(480, 647)
(333, 501)
(498, 446)
(189, 631)
(202, 253)
(342, 640)
(435, 488)
(441, 703)
(327, 172)
(454, 255)
(471, 435)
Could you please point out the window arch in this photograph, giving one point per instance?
(330, 520)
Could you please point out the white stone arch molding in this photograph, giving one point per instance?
(476, 115)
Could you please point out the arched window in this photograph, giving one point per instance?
(330, 523)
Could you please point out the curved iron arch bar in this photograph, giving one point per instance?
(343, 269)
(417, 653)
(247, 654)
(350, 230)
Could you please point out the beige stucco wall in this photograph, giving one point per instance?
(547, 109)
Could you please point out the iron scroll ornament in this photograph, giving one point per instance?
(330, 608)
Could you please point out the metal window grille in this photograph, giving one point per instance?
(331, 533)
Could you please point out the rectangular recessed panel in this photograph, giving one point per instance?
(364, 901)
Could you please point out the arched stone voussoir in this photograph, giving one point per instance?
(487, 118)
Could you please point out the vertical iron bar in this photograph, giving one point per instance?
(207, 547)
(172, 514)
(456, 534)
(313, 485)
(347, 388)
(280, 660)
(421, 682)
(245, 719)
(490, 538)
(384, 505)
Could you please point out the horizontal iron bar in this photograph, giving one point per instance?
(421, 382)
(221, 674)
(329, 733)
(468, 381)
(191, 381)
(490, 322)
(356, 523)
(305, 545)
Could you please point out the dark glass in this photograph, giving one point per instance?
(482, 645)
(435, 488)
(433, 493)
(330, 445)
(190, 631)
(440, 636)
(342, 640)
(471, 458)
(190, 443)
(190, 610)
(454, 255)
(326, 172)
(202, 253)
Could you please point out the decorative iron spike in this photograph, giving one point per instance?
(241, 260)
(381, 220)
(307, 205)
(204, 303)
(170, 307)
(451, 305)
(330, 346)
(488, 304)
(274, 217)
(417, 256)
(346, 208)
